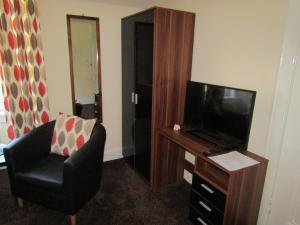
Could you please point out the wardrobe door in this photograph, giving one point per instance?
(143, 108)
(137, 54)
(128, 89)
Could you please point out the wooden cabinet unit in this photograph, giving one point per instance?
(157, 46)
(157, 49)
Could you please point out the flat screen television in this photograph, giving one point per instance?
(221, 115)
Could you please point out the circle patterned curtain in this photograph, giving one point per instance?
(22, 68)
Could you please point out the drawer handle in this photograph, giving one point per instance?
(205, 206)
(207, 188)
(201, 221)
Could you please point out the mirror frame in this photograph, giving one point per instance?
(69, 17)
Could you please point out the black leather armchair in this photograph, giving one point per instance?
(56, 182)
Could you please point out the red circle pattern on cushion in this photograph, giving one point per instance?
(76, 132)
(66, 151)
(70, 124)
(80, 141)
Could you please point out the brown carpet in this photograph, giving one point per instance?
(124, 198)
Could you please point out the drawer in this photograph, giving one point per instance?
(209, 192)
(206, 209)
(213, 173)
(197, 218)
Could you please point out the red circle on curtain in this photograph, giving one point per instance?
(10, 132)
(38, 58)
(17, 73)
(11, 40)
(35, 25)
(19, 40)
(22, 73)
(6, 104)
(45, 117)
(42, 89)
(21, 104)
(26, 105)
(26, 130)
(6, 6)
(7, 90)
(14, 23)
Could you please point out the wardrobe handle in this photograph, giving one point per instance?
(136, 99)
(201, 221)
(132, 97)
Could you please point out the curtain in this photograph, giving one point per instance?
(22, 68)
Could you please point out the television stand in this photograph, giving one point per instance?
(218, 196)
(219, 143)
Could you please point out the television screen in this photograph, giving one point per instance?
(221, 115)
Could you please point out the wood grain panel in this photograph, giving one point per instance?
(245, 190)
(172, 59)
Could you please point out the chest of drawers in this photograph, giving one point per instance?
(221, 197)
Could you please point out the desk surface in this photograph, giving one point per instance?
(197, 146)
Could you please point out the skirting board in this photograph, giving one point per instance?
(3, 168)
(112, 154)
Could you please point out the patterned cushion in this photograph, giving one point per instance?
(70, 133)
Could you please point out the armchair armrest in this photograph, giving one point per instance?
(82, 169)
(29, 148)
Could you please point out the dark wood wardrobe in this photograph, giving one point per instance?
(157, 49)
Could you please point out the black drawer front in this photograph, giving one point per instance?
(209, 192)
(197, 218)
(206, 209)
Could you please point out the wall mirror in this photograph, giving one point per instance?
(85, 70)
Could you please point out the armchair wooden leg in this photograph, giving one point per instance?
(20, 202)
(73, 219)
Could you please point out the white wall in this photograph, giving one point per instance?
(54, 30)
(238, 43)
